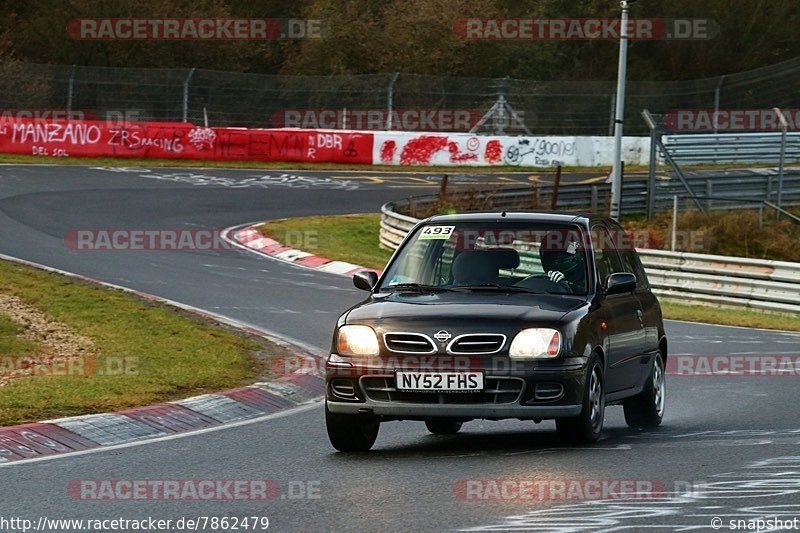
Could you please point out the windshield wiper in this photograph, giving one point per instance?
(417, 287)
(496, 287)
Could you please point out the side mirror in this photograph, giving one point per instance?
(620, 282)
(365, 280)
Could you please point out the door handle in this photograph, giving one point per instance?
(639, 314)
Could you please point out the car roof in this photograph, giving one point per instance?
(518, 216)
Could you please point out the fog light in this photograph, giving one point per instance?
(548, 391)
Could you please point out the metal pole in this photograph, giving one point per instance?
(716, 102)
(651, 176)
(390, 101)
(784, 129)
(616, 179)
(70, 86)
(674, 222)
(612, 114)
(709, 194)
(186, 96)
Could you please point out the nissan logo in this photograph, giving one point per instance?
(442, 336)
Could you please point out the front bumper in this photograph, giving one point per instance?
(415, 410)
(512, 392)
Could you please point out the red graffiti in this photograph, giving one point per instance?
(494, 152)
(457, 157)
(419, 151)
(387, 152)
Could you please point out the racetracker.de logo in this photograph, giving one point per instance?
(701, 120)
(739, 365)
(173, 489)
(195, 29)
(572, 29)
(548, 489)
(378, 119)
(118, 240)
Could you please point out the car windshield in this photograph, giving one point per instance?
(494, 256)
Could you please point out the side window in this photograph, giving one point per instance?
(605, 256)
(632, 264)
(630, 259)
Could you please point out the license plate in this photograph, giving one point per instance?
(439, 381)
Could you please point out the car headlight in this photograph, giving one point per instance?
(357, 340)
(535, 343)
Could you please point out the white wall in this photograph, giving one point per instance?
(460, 149)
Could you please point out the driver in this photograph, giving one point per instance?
(564, 265)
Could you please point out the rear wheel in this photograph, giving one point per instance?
(646, 409)
(351, 433)
(587, 426)
(443, 426)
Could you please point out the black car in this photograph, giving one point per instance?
(533, 316)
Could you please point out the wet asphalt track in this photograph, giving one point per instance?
(734, 439)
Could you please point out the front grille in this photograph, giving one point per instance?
(414, 343)
(496, 390)
(477, 344)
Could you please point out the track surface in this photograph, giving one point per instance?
(721, 434)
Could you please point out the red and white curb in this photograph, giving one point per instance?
(79, 433)
(250, 238)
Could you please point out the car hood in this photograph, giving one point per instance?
(469, 311)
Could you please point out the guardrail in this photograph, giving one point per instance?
(698, 278)
(695, 149)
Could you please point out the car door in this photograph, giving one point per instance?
(623, 316)
(647, 300)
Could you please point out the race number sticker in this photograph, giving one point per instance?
(436, 232)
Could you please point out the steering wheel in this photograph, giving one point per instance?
(541, 283)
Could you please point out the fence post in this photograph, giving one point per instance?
(70, 86)
(674, 243)
(556, 185)
(186, 95)
(709, 194)
(784, 128)
(390, 101)
(443, 190)
(595, 198)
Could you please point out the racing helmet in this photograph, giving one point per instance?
(559, 253)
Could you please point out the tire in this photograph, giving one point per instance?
(646, 409)
(587, 426)
(443, 426)
(351, 433)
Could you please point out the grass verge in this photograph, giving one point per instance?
(728, 317)
(354, 238)
(148, 353)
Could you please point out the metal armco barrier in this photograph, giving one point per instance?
(689, 277)
(731, 148)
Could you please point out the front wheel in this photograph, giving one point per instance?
(646, 409)
(443, 426)
(587, 426)
(351, 433)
